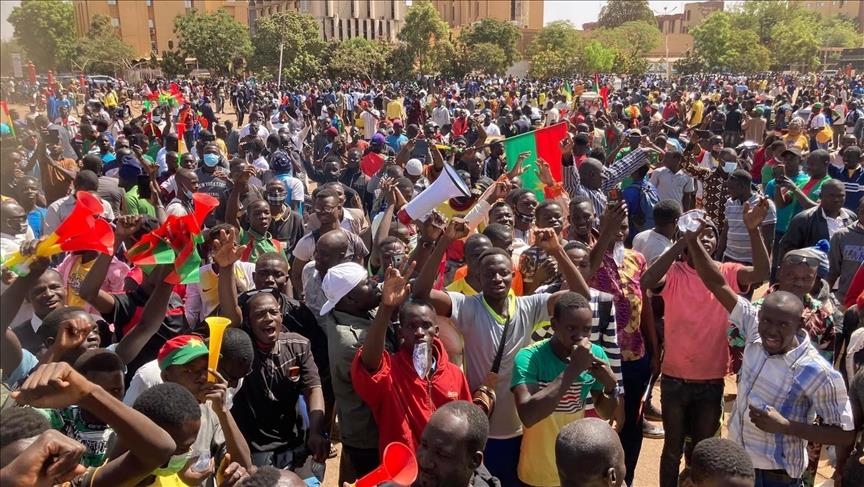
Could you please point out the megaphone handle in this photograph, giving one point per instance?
(44, 247)
(15, 259)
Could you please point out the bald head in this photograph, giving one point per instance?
(589, 453)
(330, 249)
(13, 218)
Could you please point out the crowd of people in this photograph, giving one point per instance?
(704, 235)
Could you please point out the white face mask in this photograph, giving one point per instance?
(730, 167)
(421, 359)
(618, 253)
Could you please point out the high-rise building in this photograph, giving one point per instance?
(340, 20)
(525, 14)
(148, 25)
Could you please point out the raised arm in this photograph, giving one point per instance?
(225, 253)
(91, 288)
(548, 241)
(708, 271)
(394, 292)
(58, 385)
(422, 289)
(654, 278)
(625, 166)
(151, 317)
(761, 269)
(610, 225)
(232, 207)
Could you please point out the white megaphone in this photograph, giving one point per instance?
(448, 185)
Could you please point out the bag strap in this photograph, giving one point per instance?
(496, 364)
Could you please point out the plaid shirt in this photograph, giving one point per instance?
(612, 175)
(799, 384)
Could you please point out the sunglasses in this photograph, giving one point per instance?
(800, 259)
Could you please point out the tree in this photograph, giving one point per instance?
(632, 41)
(301, 41)
(691, 63)
(213, 39)
(712, 40)
(555, 50)
(173, 64)
(44, 28)
(838, 31)
(795, 43)
(747, 55)
(357, 57)
(618, 12)
(486, 58)
(499, 33)
(101, 51)
(597, 58)
(422, 29)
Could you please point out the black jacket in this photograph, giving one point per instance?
(809, 227)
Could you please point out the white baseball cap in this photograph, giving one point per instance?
(339, 281)
(414, 167)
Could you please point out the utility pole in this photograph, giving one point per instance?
(279, 78)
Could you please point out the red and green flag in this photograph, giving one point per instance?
(176, 241)
(544, 143)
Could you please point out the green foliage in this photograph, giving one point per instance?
(486, 58)
(691, 63)
(422, 30)
(838, 31)
(45, 29)
(555, 50)
(631, 41)
(214, 39)
(101, 50)
(173, 64)
(712, 40)
(303, 46)
(598, 58)
(357, 57)
(618, 12)
(795, 43)
(499, 33)
(400, 62)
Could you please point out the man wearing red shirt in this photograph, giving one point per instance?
(403, 389)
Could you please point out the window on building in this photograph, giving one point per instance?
(512, 9)
(150, 23)
(112, 2)
(148, 3)
(304, 5)
(187, 3)
(115, 22)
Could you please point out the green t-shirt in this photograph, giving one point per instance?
(136, 205)
(538, 364)
(784, 215)
(261, 244)
(93, 436)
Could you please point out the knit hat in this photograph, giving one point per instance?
(181, 350)
(414, 167)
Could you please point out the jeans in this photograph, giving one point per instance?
(502, 459)
(636, 374)
(689, 409)
(768, 478)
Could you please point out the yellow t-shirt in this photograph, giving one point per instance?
(801, 142)
(77, 274)
(168, 481)
(698, 109)
(395, 109)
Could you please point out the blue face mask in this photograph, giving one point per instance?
(211, 160)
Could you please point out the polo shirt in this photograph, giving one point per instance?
(737, 236)
(799, 384)
(401, 401)
(538, 364)
(482, 332)
(136, 205)
(265, 407)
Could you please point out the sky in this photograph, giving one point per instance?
(580, 12)
(5, 10)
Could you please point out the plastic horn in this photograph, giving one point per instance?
(217, 326)
(399, 466)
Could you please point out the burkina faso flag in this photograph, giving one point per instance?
(544, 143)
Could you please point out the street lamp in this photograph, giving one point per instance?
(667, 10)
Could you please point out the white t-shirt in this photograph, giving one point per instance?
(370, 124)
(651, 244)
(671, 186)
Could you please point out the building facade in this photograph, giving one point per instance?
(341, 19)
(851, 9)
(148, 25)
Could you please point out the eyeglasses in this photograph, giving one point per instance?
(796, 259)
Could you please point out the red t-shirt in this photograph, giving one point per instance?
(400, 400)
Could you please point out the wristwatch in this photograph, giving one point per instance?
(616, 391)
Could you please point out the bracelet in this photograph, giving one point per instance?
(427, 244)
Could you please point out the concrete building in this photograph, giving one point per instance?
(526, 14)
(851, 9)
(148, 25)
(340, 20)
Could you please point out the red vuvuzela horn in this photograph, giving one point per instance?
(398, 466)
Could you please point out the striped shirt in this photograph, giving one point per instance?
(737, 237)
(612, 175)
(603, 332)
(799, 384)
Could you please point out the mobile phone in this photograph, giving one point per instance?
(614, 194)
(52, 137)
(420, 148)
(529, 261)
(144, 186)
(396, 260)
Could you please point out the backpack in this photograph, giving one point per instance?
(643, 215)
(853, 116)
